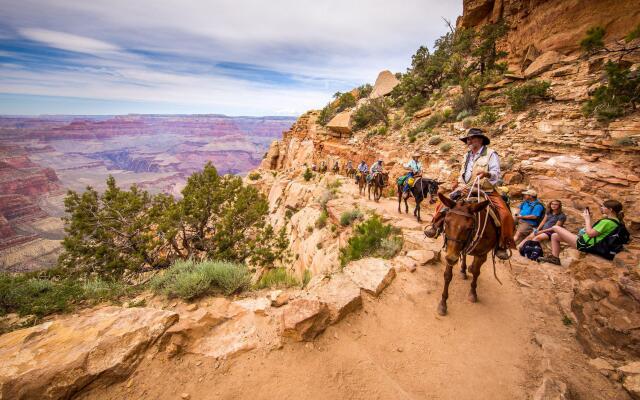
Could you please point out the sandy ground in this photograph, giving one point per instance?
(396, 347)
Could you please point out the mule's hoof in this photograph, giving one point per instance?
(442, 309)
(463, 275)
(473, 298)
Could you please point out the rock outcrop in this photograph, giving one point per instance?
(57, 359)
(341, 123)
(385, 82)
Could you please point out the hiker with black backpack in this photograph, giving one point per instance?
(604, 238)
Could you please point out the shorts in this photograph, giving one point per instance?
(524, 228)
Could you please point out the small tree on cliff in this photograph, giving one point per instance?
(112, 233)
(122, 231)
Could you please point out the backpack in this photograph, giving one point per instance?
(611, 244)
(532, 250)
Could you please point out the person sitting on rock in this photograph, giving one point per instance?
(553, 217)
(376, 168)
(415, 169)
(531, 214)
(480, 164)
(591, 238)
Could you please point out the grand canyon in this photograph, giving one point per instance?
(43, 157)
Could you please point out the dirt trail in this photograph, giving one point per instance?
(396, 347)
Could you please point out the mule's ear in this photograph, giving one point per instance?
(477, 207)
(446, 201)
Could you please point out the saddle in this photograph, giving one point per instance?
(493, 213)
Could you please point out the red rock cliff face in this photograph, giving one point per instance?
(551, 24)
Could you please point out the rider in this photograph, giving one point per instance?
(349, 166)
(375, 169)
(336, 166)
(415, 169)
(363, 168)
(481, 163)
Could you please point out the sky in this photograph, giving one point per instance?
(235, 57)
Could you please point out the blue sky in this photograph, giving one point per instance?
(240, 57)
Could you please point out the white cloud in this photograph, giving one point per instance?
(67, 41)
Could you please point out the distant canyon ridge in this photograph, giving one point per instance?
(42, 157)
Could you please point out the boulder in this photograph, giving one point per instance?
(58, 358)
(340, 294)
(371, 274)
(304, 319)
(385, 82)
(632, 385)
(422, 257)
(341, 123)
(542, 63)
(552, 389)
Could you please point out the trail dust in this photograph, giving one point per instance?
(395, 347)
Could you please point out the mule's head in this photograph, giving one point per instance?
(434, 186)
(459, 225)
(385, 178)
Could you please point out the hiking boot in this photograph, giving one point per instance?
(550, 259)
(503, 254)
(431, 232)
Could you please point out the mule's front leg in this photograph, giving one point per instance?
(475, 271)
(463, 267)
(448, 275)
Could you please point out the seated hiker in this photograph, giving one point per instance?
(604, 238)
(363, 169)
(531, 214)
(553, 217)
(481, 163)
(415, 169)
(376, 168)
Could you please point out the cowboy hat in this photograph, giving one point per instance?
(531, 192)
(476, 132)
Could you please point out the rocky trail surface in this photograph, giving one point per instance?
(511, 345)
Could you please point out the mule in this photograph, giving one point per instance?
(361, 181)
(421, 189)
(379, 181)
(468, 229)
(351, 172)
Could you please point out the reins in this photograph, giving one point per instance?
(477, 230)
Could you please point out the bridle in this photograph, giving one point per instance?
(467, 241)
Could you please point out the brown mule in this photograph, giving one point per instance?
(378, 182)
(468, 229)
(361, 180)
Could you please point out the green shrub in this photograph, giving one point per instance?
(27, 295)
(306, 277)
(379, 131)
(277, 278)
(364, 91)
(435, 140)
(634, 34)
(447, 113)
(626, 141)
(307, 175)
(445, 147)
(593, 40)
(412, 139)
(99, 290)
(189, 279)
(321, 222)
(347, 217)
(372, 238)
(414, 104)
(521, 96)
(254, 176)
(488, 116)
(329, 111)
(335, 184)
(288, 214)
(371, 113)
(616, 98)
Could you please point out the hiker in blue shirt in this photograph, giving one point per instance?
(531, 213)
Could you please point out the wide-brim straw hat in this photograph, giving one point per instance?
(475, 132)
